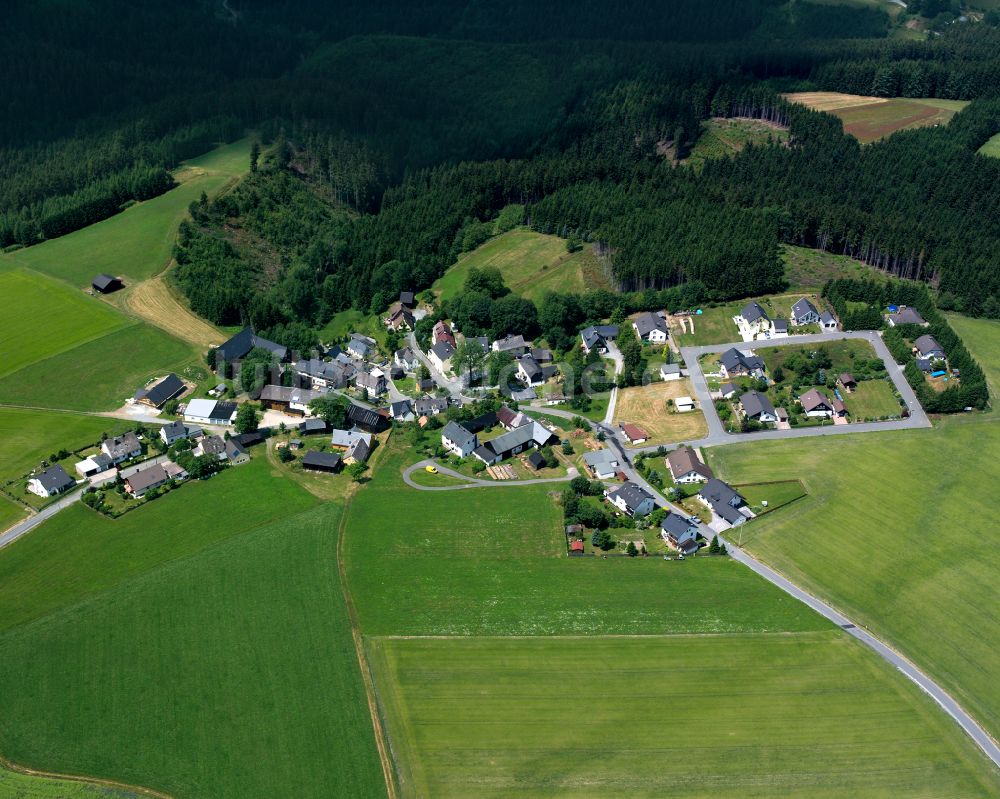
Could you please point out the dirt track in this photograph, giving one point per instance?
(153, 301)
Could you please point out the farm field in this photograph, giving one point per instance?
(716, 325)
(155, 301)
(71, 319)
(914, 560)
(136, 243)
(27, 786)
(721, 137)
(502, 569)
(647, 407)
(531, 264)
(221, 673)
(871, 118)
(100, 374)
(808, 714)
(871, 399)
(79, 553)
(27, 436)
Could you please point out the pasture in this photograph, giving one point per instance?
(871, 118)
(899, 532)
(100, 374)
(158, 302)
(531, 264)
(27, 436)
(647, 407)
(71, 318)
(136, 244)
(982, 338)
(721, 137)
(805, 715)
(715, 325)
(222, 670)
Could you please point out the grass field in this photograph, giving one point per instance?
(71, 318)
(136, 243)
(531, 264)
(24, 786)
(721, 137)
(899, 532)
(982, 337)
(871, 399)
(992, 147)
(806, 269)
(79, 552)
(807, 715)
(99, 375)
(10, 513)
(155, 301)
(871, 118)
(839, 350)
(647, 407)
(27, 436)
(716, 325)
(776, 495)
(225, 674)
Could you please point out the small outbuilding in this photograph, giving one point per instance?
(106, 284)
(321, 462)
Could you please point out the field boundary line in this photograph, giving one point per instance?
(625, 636)
(10, 765)
(368, 680)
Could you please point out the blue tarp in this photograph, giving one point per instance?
(893, 309)
(938, 373)
(698, 312)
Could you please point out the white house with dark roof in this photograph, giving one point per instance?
(758, 407)
(122, 448)
(804, 313)
(928, 347)
(670, 371)
(513, 442)
(514, 344)
(602, 464)
(651, 327)
(680, 533)
(736, 363)
(207, 411)
(828, 322)
(456, 439)
(724, 501)
(373, 383)
(440, 355)
(906, 316)
(686, 467)
(597, 337)
(631, 499)
(173, 432)
(407, 359)
(51, 482)
(816, 404)
(753, 321)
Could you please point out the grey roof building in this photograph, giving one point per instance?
(753, 312)
(244, 341)
(756, 405)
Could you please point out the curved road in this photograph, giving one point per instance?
(474, 482)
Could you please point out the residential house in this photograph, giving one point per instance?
(753, 320)
(122, 448)
(670, 371)
(173, 432)
(174, 472)
(727, 390)
(402, 411)
(509, 418)
(576, 547)
(373, 383)
(440, 356)
(105, 284)
(322, 374)
(170, 387)
(458, 440)
(95, 464)
(906, 316)
(532, 373)
(430, 406)
(424, 383)
(679, 533)
(288, 399)
(631, 499)
(368, 419)
(362, 347)
(597, 337)
(686, 467)
(540, 354)
(828, 322)
(407, 359)
(442, 333)
(651, 327)
(482, 422)
(928, 347)
(51, 482)
(140, 483)
(344, 440)
(683, 404)
(804, 313)
(839, 409)
(513, 442)
(779, 328)
(736, 363)
(206, 411)
(327, 462)
(236, 453)
(758, 407)
(239, 345)
(399, 318)
(358, 450)
(514, 344)
(724, 501)
(213, 446)
(313, 427)
(602, 464)
(816, 405)
(634, 433)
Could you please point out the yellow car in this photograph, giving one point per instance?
(431, 469)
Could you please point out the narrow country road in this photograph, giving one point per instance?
(29, 524)
(474, 482)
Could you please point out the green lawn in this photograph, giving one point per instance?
(222, 674)
(716, 325)
(899, 532)
(24, 786)
(79, 553)
(99, 375)
(71, 318)
(531, 264)
(807, 715)
(353, 321)
(136, 243)
(776, 495)
(10, 513)
(871, 399)
(28, 436)
(492, 561)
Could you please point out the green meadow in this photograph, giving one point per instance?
(43, 317)
(136, 244)
(24, 786)
(982, 337)
(806, 715)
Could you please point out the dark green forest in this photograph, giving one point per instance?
(396, 133)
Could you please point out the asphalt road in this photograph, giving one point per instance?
(29, 524)
(473, 482)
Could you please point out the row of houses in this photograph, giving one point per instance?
(522, 433)
(650, 327)
(753, 321)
